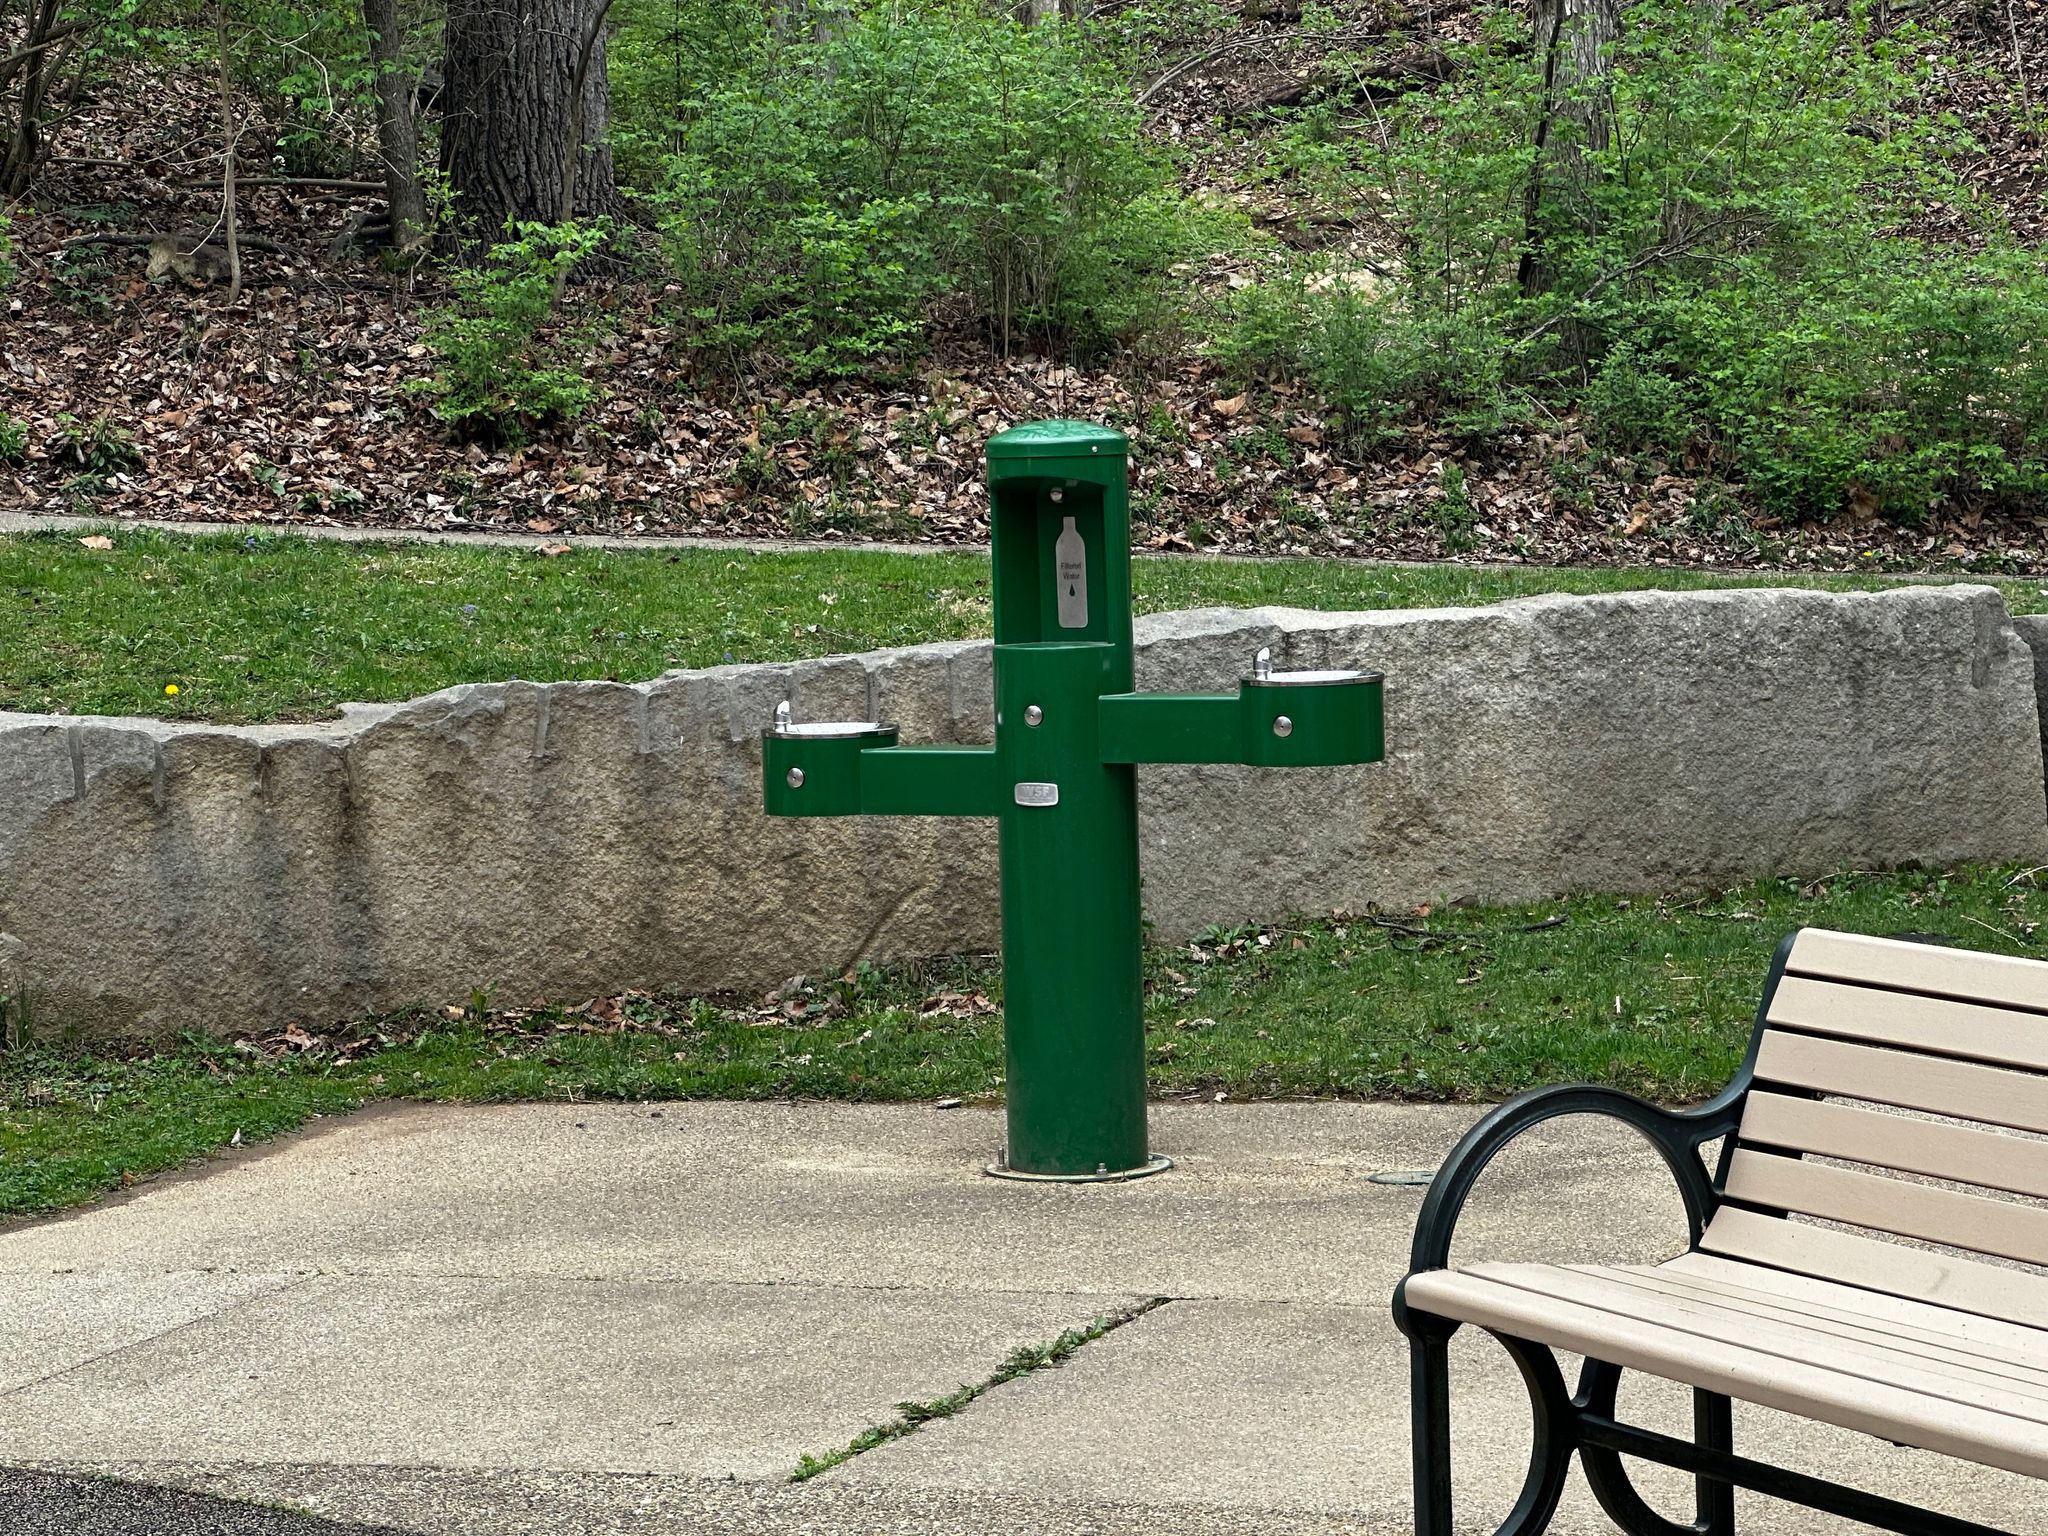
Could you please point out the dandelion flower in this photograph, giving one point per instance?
(171, 689)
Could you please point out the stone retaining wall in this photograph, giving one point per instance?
(577, 838)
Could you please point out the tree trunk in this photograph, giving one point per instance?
(508, 112)
(1572, 40)
(36, 62)
(398, 133)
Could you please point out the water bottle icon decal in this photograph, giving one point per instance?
(1070, 566)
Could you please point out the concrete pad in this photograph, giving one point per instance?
(1305, 1408)
(54, 1322)
(1270, 1202)
(587, 1320)
(707, 1381)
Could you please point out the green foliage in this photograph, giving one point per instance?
(1351, 334)
(1307, 149)
(1454, 513)
(1144, 31)
(13, 440)
(1632, 405)
(311, 65)
(98, 448)
(664, 53)
(1713, 257)
(80, 277)
(1917, 378)
(78, 43)
(305, 61)
(506, 369)
(8, 271)
(826, 198)
(1021, 1361)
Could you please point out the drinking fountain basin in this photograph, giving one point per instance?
(1318, 717)
(812, 768)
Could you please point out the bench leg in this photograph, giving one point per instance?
(1429, 1406)
(1552, 1437)
(1429, 1432)
(1607, 1474)
(1713, 1429)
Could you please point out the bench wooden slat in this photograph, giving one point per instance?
(1941, 1319)
(1942, 1025)
(1929, 1147)
(1854, 1402)
(1884, 1337)
(1944, 1279)
(1713, 1321)
(1967, 974)
(1989, 1337)
(1925, 1211)
(1992, 1095)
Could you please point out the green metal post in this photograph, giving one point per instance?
(1073, 1004)
(1061, 780)
(1074, 1044)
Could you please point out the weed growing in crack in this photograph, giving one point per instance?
(1021, 1361)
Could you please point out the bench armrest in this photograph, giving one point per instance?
(1677, 1136)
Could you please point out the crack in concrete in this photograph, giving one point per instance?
(1026, 1360)
(261, 1294)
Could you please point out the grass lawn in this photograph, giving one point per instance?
(276, 628)
(1655, 996)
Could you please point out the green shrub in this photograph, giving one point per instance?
(506, 369)
(1634, 406)
(1370, 357)
(1140, 32)
(828, 198)
(1307, 150)
(8, 271)
(100, 447)
(1721, 264)
(1916, 376)
(81, 279)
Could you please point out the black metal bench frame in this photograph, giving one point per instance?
(1584, 1422)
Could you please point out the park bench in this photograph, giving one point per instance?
(1856, 1258)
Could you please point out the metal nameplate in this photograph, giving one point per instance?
(1038, 794)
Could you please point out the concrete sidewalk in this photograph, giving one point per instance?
(637, 1319)
(479, 538)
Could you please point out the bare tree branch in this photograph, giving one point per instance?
(2019, 61)
(231, 136)
(319, 183)
(21, 56)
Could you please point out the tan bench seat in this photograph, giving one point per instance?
(1915, 1375)
(1871, 1252)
